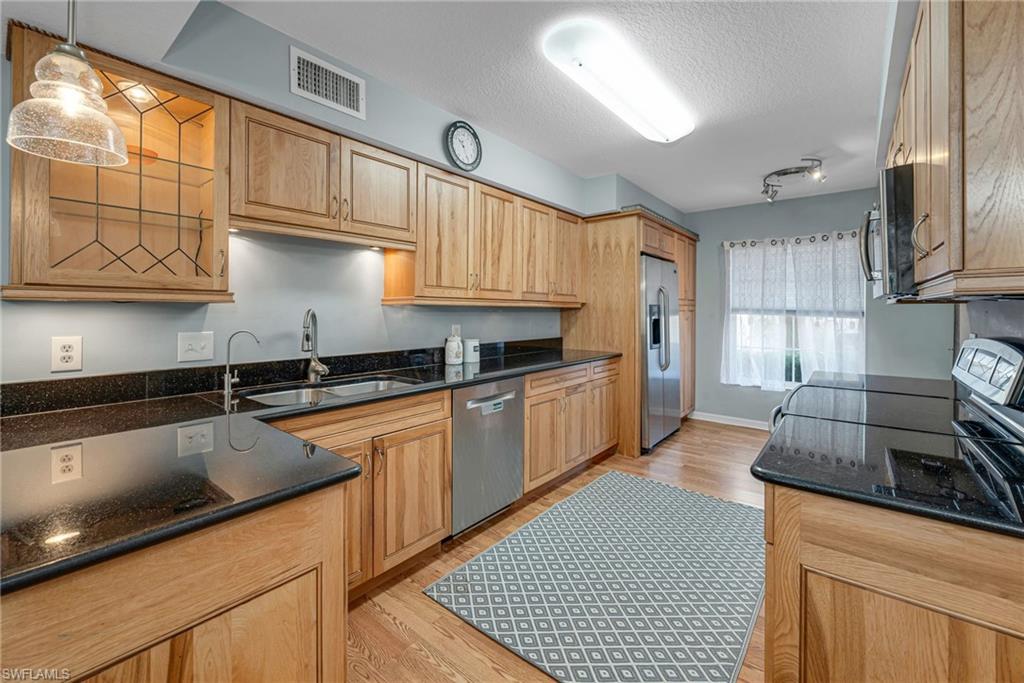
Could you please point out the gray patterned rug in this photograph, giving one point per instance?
(628, 579)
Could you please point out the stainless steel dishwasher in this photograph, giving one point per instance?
(487, 450)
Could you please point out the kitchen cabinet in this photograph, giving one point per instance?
(571, 415)
(892, 597)
(284, 171)
(568, 259)
(378, 193)
(686, 266)
(957, 123)
(658, 240)
(401, 504)
(544, 439)
(603, 413)
(444, 249)
(272, 637)
(687, 357)
(495, 245)
(155, 229)
(359, 513)
(536, 228)
(412, 492)
(261, 597)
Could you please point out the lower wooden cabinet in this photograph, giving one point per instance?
(572, 420)
(401, 504)
(259, 598)
(412, 492)
(859, 593)
(272, 637)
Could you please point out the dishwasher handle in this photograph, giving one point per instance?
(479, 402)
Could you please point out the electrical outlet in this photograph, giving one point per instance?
(65, 354)
(65, 463)
(195, 439)
(194, 346)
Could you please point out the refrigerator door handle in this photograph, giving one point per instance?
(664, 357)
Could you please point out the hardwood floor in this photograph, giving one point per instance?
(398, 634)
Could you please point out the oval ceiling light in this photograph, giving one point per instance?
(606, 66)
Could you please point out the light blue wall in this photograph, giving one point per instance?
(913, 340)
(628, 194)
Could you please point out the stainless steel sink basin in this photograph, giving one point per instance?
(315, 395)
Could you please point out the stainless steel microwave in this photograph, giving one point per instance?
(887, 236)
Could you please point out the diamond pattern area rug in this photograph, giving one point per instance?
(628, 579)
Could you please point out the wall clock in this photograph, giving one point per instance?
(463, 146)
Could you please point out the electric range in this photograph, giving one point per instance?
(954, 453)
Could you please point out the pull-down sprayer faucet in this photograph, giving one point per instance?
(309, 342)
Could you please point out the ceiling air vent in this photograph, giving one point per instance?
(325, 83)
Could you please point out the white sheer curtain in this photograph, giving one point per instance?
(793, 305)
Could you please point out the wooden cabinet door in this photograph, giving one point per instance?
(544, 439)
(282, 170)
(604, 414)
(496, 241)
(568, 259)
(378, 193)
(576, 413)
(444, 243)
(686, 264)
(940, 223)
(536, 227)
(687, 356)
(412, 492)
(856, 634)
(907, 115)
(272, 637)
(921, 84)
(651, 235)
(359, 513)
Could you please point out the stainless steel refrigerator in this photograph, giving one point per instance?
(660, 394)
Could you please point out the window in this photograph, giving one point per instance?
(793, 306)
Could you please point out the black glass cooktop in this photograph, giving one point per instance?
(911, 386)
(880, 409)
(935, 475)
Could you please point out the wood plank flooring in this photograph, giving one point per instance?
(398, 634)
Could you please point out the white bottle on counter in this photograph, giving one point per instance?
(453, 347)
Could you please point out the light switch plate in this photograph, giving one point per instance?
(65, 354)
(195, 439)
(65, 463)
(194, 346)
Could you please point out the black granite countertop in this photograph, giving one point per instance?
(140, 484)
(922, 473)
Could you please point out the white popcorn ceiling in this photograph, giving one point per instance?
(769, 82)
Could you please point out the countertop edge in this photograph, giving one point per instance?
(896, 505)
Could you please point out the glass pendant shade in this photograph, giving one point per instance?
(66, 117)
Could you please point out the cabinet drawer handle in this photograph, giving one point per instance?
(899, 148)
(369, 469)
(334, 206)
(913, 234)
(383, 460)
(344, 203)
(223, 262)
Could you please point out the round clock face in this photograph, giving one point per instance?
(464, 146)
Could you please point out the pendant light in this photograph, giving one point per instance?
(66, 117)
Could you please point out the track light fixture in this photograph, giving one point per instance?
(770, 184)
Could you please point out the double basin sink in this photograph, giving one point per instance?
(310, 394)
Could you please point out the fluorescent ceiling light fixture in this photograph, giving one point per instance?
(606, 66)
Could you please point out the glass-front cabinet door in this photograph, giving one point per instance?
(157, 226)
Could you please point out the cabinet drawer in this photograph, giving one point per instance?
(333, 428)
(552, 380)
(604, 368)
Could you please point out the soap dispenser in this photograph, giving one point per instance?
(453, 347)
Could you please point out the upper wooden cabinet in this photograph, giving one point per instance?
(537, 227)
(284, 171)
(496, 245)
(444, 251)
(154, 229)
(686, 266)
(958, 122)
(476, 244)
(658, 240)
(378, 193)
